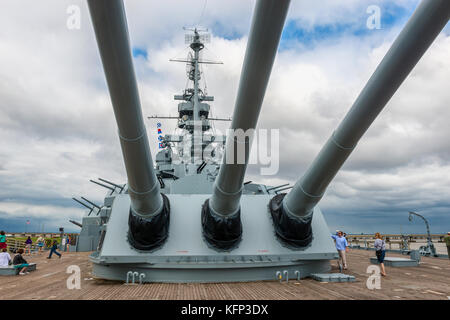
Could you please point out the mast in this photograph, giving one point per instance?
(197, 135)
(193, 112)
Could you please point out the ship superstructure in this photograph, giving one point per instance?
(195, 149)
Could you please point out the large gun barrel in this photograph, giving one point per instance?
(91, 203)
(221, 213)
(82, 203)
(76, 223)
(102, 185)
(113, 184)
(148, 219)
(293, 216)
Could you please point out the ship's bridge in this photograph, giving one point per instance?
(186, 116)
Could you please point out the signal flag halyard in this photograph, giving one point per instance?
(160, 138)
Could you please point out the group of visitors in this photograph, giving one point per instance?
(342, 248)
(19, 261)
(40, 243)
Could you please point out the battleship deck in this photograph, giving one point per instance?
(428, 281)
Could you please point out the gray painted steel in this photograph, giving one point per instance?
(186, 257)
(422, 28)
(265, 33)
(218, 273)
(415, 255)
(109, 21)
(396, 262)
(333, 277)
(90, 234)
(197, 135)
(11, 271)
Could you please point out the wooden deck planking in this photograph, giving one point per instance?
(428, 281)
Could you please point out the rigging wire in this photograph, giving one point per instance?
(203, 12)
(183, 51)
(205, 88)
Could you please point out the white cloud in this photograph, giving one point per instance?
(57, 128)
(34, 211)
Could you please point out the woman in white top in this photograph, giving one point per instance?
(40, 243)
(380, 246)
(5, 258)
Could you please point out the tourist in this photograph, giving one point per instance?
(5, 258)
(63, 243)
(447, 242)
(20, 263)
(3, 244)
(53, 250)
(380, 247)
(28, 244)
(40, 244)
(69, 242)
(341, 247)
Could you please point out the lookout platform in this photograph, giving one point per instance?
(428, 281)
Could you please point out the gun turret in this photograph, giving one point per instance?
(293, 213)
(149, 212)
(221, 220)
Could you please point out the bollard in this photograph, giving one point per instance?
(128, 276)
(286, 273)
(135, 274)
(279, 276)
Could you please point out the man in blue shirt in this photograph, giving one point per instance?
(341, 247)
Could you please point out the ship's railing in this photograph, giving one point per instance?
(393, 241)
(410, 237)
(15, 244)
(369, 243)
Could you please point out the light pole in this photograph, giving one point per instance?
(429, 249)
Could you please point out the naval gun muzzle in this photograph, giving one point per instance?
(221, 220)
(149, 212)
(292, 213)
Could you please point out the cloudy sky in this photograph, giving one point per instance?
(57, 128)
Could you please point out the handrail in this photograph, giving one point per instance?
(20, 244)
